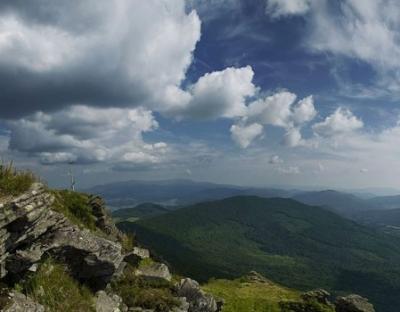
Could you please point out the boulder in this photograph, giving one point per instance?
(109, 303)
(198, 300)
(319, 295)
(353, 303)
(154, 270)
(134, 257)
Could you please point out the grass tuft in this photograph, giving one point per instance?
(75, 207)
(14, 182)
(55, 289)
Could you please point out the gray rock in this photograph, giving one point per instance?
(198, 300)
(21, 303)
(353, 303)
(319, 295)
(183, 307)
(154, 270)
(134, 257)
(109, 303)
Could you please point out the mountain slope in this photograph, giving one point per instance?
(389, 219)
(297, 245)
(386, 202)
(347, 205)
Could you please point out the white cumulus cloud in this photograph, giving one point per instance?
(340, 122)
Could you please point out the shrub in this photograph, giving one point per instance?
(14, 182)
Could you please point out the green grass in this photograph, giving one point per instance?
(52, 287)
(246, 295)
(75, 207)
(243, 296)
(14, 182)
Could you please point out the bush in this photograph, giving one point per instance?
(55, 289)
(145, 293)
(13, 182)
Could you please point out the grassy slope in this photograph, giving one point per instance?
(297, 245)
(243, 296)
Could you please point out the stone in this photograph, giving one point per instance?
(108, 303)
(353, 303)
(21, 303)
(183, 307)
(198, 300)
(134, 257)
(319, 295)
(154, 270)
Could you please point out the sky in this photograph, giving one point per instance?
(262, 92)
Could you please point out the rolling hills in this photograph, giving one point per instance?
(292, 243)
(175, 192)
(344, 204)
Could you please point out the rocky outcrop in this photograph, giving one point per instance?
(103, 220)
(21, 303)
(353, 303)
(198, 300)
(30, 230)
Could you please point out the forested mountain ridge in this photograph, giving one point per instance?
(292, 243)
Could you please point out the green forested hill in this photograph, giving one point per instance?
(294, 244)
(140, 211)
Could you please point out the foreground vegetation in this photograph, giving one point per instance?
(55, 289)
(14, 182)
(299, 246)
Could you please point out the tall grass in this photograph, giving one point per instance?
(13, 181)
(54, 288)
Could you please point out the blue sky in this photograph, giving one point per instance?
(263, 92)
